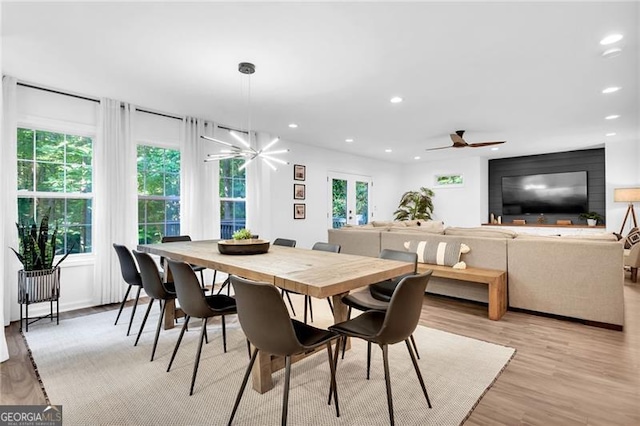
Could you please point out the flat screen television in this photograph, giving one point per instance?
(564, 193)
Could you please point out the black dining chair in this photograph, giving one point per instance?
(284, 242)
(196, 268)
(266, 323)
(195, 304)
(369, 299)
(320, 246)
(156, 290)
(131, 276)
(393, 326)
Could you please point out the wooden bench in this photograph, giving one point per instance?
(496, 280)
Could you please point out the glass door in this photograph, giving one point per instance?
(349, 197)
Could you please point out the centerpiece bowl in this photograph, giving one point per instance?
(243, 247)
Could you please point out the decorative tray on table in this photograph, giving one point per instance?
(248, 246)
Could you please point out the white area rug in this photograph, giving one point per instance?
(92, 369)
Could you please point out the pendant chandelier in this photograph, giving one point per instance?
(245, 150)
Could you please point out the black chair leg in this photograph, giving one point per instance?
(206, 336)
(417, 368)
(175, 350)
(224, 335)
(126, 294)
(415, 347)
(204, 287)
(155, 341)
(305, 309)
(387, 379)
(330, 304)
(243, 385)
(285, 396)
(213, 281)
(307, 300)
(286, 293)
(195, 366)
(344, 346)
(368, 359)
(224, 284)
(144, 321)
(249, 348)
(334, 386)
(133, 311)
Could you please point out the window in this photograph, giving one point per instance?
(158, 193)
(55, 176)
(451, 181)
(232, 197)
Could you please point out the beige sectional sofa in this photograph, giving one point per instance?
(573, 277)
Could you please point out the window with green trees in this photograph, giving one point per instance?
(232, 197)
(55, 174)
(158, 193)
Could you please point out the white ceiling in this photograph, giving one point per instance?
(528, 73)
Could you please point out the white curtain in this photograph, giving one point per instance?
(199, 198)
(9, 265)
(115, 205)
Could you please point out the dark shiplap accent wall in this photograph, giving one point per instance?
(591, 160)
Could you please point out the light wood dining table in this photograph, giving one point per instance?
(315, 273)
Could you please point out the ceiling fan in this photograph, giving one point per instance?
(458, 142)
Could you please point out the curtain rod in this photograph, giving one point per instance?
(58, 92)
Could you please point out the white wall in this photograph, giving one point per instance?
(622, 170)
(277, 200)
(456, 206)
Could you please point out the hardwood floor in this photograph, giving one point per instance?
(564, 373)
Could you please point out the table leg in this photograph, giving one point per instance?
(340, 311)
(261, 374)
(170, 308)
(498, 297)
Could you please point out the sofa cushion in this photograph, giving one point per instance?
(481, 232)
(437, 253)
(603, 236)
(632, 238)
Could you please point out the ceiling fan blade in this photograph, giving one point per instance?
(442, 147)
(481, 144)
(457, 140)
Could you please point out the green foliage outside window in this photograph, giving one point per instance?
(55, 173)
(158, 193)
(233, 192)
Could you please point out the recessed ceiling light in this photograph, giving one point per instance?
(293, 125)
(417, 157)
(611, 134)
(611, 89)
(348, 140)
(395, 100)
(610, 39)
(495, 148)
(388, 150)
(612, 53)
(611, 117)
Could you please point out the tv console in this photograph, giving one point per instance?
(550, 229)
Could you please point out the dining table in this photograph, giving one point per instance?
(315, 273)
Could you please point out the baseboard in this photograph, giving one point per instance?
(598, 324)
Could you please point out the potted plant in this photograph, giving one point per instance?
(415, 205)
(39, 278)
(592, 218)
(242, 234)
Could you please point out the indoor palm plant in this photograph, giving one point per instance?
(415, 205)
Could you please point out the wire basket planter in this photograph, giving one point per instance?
(35, 287)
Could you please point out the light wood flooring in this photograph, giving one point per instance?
(564, 373)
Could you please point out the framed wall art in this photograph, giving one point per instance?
(299, 172)
(299, 211)
(299, 191)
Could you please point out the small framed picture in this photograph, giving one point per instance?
(299, 172)
(299, 211)
(299, 191)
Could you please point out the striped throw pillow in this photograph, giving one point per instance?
(437, 253)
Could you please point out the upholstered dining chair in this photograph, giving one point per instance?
(266, 323)
(284, 242)
(196, 268)
(373, 298)
(393, 326)
(131, 276)
(320, 246)
(195, 304)
(156, 290)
